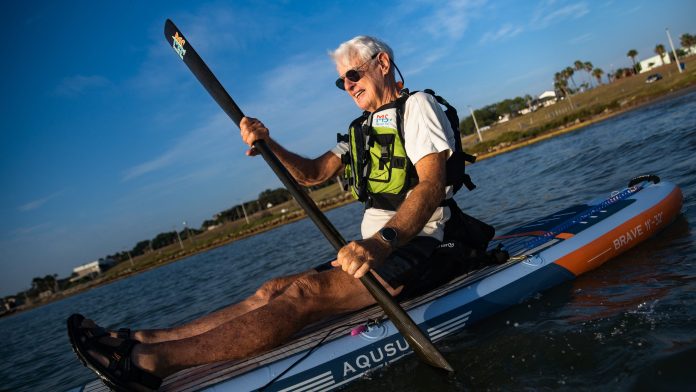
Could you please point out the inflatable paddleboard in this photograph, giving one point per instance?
(544, 253)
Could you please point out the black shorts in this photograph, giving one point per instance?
(407, 266)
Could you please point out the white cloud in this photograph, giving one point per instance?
(544, 15)
(24, 231)
(423, 62)
(505, 32)
(451, 18)
(79, 84)
(581, 39)
(38, 203)
(202, 144)
(547, 14)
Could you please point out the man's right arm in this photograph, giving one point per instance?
(306, 171)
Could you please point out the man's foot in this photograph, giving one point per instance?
(109, 356)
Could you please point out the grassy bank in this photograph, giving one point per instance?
(582, 109)
(587, 108)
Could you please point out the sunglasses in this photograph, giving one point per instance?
(353, 74)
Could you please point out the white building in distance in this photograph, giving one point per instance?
(653, 62)
(91, 269)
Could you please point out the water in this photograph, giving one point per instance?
(629, 325)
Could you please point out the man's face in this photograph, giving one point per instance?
(367, 91)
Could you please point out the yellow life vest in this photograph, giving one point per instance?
(377, 168)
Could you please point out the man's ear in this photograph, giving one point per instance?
(384, 62)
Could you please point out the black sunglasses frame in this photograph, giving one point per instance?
(354, 74)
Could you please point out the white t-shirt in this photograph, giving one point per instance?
(426, 131)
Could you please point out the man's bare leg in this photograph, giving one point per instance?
(268, 290)
(308, 299)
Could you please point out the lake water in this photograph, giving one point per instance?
(629, 325)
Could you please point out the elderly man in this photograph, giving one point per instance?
(395, 156)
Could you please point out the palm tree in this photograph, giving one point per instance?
(597, 73)
(660, 50)
(569, 71)
(579, 65)
(632, 54)
(687, 40)
(561, 83)
(587, 66)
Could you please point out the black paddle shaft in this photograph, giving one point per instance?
(408, 328)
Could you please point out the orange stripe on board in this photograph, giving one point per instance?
(623, 237)
(564, 236)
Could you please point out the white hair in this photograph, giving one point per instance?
(361, 48)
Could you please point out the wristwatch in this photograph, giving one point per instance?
(390, 236)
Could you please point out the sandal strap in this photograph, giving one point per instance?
(123, 333)
(120, 363)
(131, 372)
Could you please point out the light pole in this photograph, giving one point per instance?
(188, 233)
(674, 52)
(245, 214)
(475, 124)
(129, 257)
(181, 244)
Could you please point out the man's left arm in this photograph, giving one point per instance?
(358, 257)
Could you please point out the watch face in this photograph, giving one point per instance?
(388, 234)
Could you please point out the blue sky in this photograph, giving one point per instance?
(107, 139)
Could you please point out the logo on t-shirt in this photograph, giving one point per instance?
(384, 119)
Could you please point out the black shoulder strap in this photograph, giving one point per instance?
(456, 175)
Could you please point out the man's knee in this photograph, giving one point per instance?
(270, 289)
(329, 291)
(274, 287)
(305, 289)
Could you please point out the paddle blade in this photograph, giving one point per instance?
(195, 63)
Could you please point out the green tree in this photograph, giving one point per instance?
(660, 50)
(47, 283)
(579, 65)
(568, 73)
(140, 248)
(632, 54)
(209, 222)
(587, 67)
(560, 83)
(687, 40)
(164, 239)
(275, 196)
(597, 73)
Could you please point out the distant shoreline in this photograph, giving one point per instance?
(592, 121)
(542, 137)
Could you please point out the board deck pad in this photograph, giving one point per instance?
(516, 241)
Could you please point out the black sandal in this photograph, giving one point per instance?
(120, 374)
